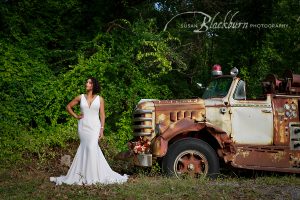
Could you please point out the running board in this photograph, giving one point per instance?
(267, 158)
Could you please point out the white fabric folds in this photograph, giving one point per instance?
(89, 165)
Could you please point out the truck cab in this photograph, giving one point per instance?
(192, 136)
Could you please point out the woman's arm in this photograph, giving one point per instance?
(70, 106)
(102, 116)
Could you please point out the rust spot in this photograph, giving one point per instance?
(278, 156)
(295, 160)
(281, 121)
(245, 154)
(161, 117)
(160, 147)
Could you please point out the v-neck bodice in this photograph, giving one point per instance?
(90, 112)
(89, 105)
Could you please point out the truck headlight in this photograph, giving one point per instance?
(287, 113)
(294, 114)
(293, 106)
(286, 106)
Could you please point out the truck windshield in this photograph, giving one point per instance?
(218, 88)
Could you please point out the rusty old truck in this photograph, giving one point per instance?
(193, 136)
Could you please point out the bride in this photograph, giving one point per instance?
(89, 165)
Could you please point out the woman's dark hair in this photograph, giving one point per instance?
(96, 86)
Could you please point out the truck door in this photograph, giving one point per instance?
(216, 102)
(252, 120)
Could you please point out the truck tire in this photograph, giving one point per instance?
(192, 157)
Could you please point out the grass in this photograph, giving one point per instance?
(33, 183)
(29, 179)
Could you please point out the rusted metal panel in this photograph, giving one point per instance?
(270, 158)
(159, 147)
(282, 120)
(184, 125)
(171, 111)
(261, 156)
(178, 107)
(179, 102)
(295, 159)
(226, 148)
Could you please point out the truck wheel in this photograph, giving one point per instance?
(191, 157)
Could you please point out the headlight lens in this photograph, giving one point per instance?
(293, 106)
(287, 106)
(294, 114)
(290, 110)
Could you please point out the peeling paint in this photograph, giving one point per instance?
(244, 153)
(278, 156)
(246, 133)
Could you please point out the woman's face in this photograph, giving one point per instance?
(89, 85)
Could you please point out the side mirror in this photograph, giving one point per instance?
(200, 86)
(234, 72)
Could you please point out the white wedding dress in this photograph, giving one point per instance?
(89, 165)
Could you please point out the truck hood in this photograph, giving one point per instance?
(180, 107)
(169, 111)
(151, 115)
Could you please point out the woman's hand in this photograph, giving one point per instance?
(101, 135)
(79, 116)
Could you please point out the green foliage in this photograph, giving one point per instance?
(48, 49)
(42, 98)
(22, 87)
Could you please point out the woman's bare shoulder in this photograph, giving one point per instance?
(101, 98)
(78, 98)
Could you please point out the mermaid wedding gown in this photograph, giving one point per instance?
(89, 165)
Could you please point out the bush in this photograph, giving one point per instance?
(128, 70)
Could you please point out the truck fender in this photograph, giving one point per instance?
(220, 135)
(186, 125)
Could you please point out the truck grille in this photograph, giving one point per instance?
(142, 122)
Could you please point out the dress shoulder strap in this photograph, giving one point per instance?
(81, 96)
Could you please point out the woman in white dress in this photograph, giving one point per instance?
(89, 165)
